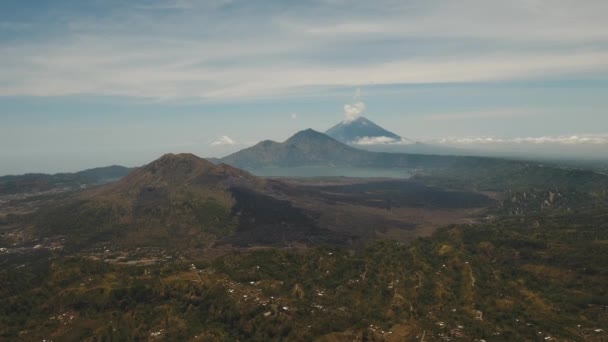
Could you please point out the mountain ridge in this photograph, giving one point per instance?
(40, 182)
(307, 147)
(313, 148)
(185, 168)
(183, 201)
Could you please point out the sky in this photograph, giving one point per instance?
(100, 82)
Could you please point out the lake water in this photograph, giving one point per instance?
(323, 171)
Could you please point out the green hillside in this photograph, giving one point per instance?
(527, 278)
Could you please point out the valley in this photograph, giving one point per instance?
(303, 171)
(248, 211)
(331, 171)
(210, 252)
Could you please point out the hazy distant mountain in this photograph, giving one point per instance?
(312, 148)
(362, 130)
(34, 182)
(305, 148)
(105, 174)
(365, 134)
(318, 152)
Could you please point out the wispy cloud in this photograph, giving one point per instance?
(353, 111)
(225, 50)
(487, 114)
(382, 141)
(576, 139)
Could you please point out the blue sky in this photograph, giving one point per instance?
(91, 83)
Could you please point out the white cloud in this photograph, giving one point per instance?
(294, 116)
(577, 139)
(353, 111)
(566, 140)
(382, 141)
(96, 68)
(357, 94)
(224, 140)
(135, 52)
(537, 20)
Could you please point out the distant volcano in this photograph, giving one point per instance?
(362, 131)
(305, 148)
(312, 148)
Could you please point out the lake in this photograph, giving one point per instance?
(324, 171)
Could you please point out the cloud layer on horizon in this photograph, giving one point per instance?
(382, 141)
(224, 140)
(575, 139)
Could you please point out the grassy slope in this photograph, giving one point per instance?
(179, 199)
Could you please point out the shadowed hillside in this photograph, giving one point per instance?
(185, 202)
(181, 201)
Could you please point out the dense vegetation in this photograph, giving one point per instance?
(484, 174)
(532, 267)
(515, 277)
